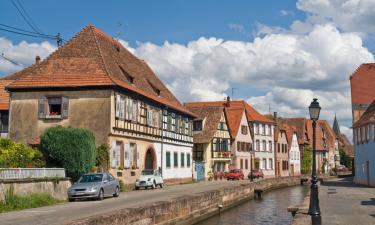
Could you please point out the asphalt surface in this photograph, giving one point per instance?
(345, 203)
(70, 211)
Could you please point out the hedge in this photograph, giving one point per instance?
(70, 148)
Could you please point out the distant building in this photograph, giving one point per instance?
(93, 82)
(281, 148)
(364, 142)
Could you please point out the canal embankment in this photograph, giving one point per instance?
(189, 208)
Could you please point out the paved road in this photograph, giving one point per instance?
(345, 203)
(63, 213)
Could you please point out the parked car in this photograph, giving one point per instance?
(235, 175)
(149, 178)
(94, 185)
(342, 168)
(257, 173)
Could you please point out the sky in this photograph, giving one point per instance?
(277, 55)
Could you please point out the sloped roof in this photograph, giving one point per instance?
(367, 117)
(336, 127)
(92, 59)
(4, 95)
(362, 83)
(330, 134)
(251, 113)
(212, 117)
(346, 145)
(234, 116)
(298, 125)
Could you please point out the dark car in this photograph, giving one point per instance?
(235, 175)
(94, 185)
(257, 173)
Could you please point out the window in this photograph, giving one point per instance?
(168, 159)
(264, 145)
(198, 152)
(246, 164)
(134, 155)
(197, 125)
(243, 130)
(120, 107)
(256, 128)
(175, 159)
(4, 121)
(182, 157)
(263, 129)
(115, 154)
(222, 126)
(188, 160)
(278, 147)
(271, 163)
(270, 146)
(257, 145)
(154, 88)
(264, 164)
(127, 76)
(241, 164)
(53, 107)
(270, 130)
(238, 146)
(265, 132)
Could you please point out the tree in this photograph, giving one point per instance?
(307, 160)
(70, 148)
(345, 159)
(16, 155)
(102, 157)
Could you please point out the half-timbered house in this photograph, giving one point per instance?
(93, 82)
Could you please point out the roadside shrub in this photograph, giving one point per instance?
(102, 157)
(70, 148)
(307, 160)
(14, 155)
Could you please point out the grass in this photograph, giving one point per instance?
(25, 202)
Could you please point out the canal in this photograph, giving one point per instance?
(271, 209)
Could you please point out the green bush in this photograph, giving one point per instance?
(307, 160)
(102, 157)
(71, 148)
(14, 155)
(345, 159)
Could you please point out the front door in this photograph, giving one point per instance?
(150, 160)
(199, 168)
(278, 169)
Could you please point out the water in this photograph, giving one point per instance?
(271, 209)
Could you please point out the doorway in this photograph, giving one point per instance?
(150, 159)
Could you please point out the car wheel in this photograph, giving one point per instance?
(71, 199)
(117, 192)
(161, 185)
(153, 185)
(101, 195)
(137, 188)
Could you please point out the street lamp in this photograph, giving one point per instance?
(314, 210)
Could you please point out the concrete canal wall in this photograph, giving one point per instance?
(188, 209)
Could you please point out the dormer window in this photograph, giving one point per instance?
(128, 77)
(197, 125)
(155, 89)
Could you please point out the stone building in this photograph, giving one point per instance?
(93, 82)
(212, 140)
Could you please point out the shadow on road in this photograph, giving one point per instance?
(343, 182)
(370, 202)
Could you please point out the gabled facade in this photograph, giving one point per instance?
(262, 131)
(242, 154)
(294, 154)
(212, 141)
(364, 142)
(93, 82)
(281, 152)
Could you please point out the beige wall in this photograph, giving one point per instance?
(88, 109)
(280, 157)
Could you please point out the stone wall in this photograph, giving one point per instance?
(187, 209)
(58, 188)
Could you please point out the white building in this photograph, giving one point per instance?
(294, 156)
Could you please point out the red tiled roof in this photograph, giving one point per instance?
(251, 113)
(93, 58)
(362, 84)
(4, 95)
(298, 125)
(346, 145)
(234, 116)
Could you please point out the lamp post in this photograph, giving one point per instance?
(314, 210)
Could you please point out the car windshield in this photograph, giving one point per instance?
(147, 172)
(91, 178)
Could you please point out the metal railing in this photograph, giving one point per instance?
(23, 173)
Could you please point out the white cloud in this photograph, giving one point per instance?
(286, 13)
(348, 15)
(348, 132)
(23, 53)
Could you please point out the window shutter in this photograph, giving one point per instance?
(42, 108)
(113, 155)
(149, 116)
(138, 158)
(117, 107)
(127, 155)
(65, 107)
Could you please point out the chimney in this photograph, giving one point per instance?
(228, 102)
(275, 116)
(37, 59)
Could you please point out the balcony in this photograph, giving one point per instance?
(222, 155)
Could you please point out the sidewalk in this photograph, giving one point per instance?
(345, 203)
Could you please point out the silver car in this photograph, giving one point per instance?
(94, 185)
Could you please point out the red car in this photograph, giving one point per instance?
(257, 173)
(235, 175)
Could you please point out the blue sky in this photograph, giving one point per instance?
(277, 54)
